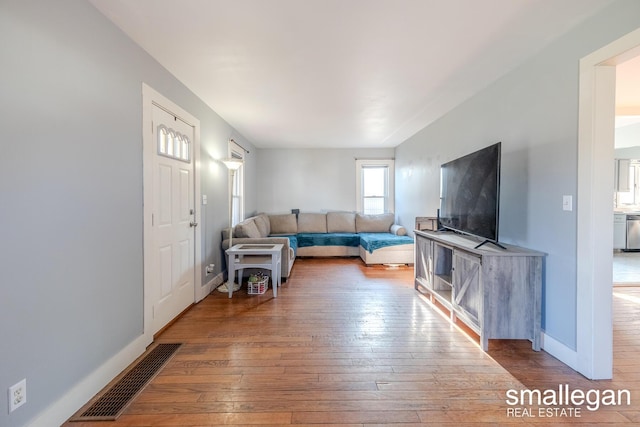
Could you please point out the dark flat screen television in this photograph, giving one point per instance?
(470, 194)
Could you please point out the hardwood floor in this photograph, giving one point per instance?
(349, 345)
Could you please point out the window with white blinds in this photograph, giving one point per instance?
(237, 191)
(375, 185)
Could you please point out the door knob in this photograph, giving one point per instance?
(193, 224)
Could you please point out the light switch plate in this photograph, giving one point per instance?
(204, 199)
(567, 203)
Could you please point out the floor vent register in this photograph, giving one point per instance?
(115, 398)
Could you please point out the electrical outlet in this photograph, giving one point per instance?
(209, 268)
(17, 395)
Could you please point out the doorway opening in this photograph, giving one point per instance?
(594, 343)
(626, 228)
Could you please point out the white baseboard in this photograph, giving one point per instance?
(560, 351)
(60, 411)
(209, 286)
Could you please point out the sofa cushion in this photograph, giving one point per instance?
(247, 228)
(262, 222)
(312, 223)
(283, 224)
(380, 223)
(341, 222)
(328, 239)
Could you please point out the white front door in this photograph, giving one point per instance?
(173, 218)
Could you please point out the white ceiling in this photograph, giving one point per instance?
(340, 73)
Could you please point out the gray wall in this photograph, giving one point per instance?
(533, 110)
(71, 258)
(71, 181)
(311, 180)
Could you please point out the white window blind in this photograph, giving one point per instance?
(237, 189)
(375, 186)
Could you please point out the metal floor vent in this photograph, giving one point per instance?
(114, 399)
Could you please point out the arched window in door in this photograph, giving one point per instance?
(173, 144)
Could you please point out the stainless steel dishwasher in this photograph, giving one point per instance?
(633, 232)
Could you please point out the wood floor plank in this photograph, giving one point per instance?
(350, 345)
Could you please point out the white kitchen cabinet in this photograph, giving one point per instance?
(621, 178)
(619, 231)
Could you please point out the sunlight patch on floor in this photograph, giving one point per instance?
(630, 298)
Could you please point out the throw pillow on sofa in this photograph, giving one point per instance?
(262, 222)
(380, 223)
(312, 223)
(283, 224)
(398, 230)
(341, 222)
(247, 229)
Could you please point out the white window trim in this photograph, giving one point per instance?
(237, 152)
(390, 164)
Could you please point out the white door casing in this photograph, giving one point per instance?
(172, 250)
(594, 340)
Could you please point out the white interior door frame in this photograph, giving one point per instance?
(151, 97)
(594, 335)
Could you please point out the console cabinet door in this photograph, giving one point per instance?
(467, 293)
(424, 261)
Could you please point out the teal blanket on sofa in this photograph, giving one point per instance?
(373, 241)
(369, 241)
(328, 239)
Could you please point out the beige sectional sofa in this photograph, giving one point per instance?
(375, 238)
